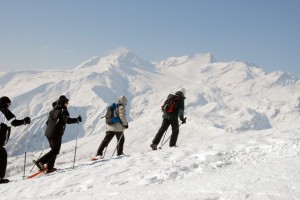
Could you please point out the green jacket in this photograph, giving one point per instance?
(179, 110)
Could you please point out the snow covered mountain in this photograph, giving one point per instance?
(239, 119)
(231, 96)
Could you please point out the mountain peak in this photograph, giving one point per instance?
(120, 52)
(91, 62)
(280, 78)
(120, 57)
(202, 59)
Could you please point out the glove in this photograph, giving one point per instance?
(27, 120)
(183, 120)
(126, 126)
(79, 119)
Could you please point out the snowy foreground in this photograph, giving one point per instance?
(260, 165)
(241, 140)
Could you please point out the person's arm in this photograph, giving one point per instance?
(68, 120)
(181, 112)
(122, 115)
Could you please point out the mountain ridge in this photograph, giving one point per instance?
(231, 96)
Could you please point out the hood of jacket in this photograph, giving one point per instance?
(123, 100)
(179, 93)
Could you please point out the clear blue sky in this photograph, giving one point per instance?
(47, 34)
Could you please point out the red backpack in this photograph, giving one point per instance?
(170, 103)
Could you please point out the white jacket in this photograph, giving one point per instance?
(121, 112)
(4, 120)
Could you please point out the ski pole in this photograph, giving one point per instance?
(165, 141)
(104, 152)
(76, 146)
(117, 145)
(39, 155)
(35, 163)
(25, 155)
(170, 136)
(24, 166)
(161, 144)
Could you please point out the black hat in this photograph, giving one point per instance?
(4, 100)
(63, 99)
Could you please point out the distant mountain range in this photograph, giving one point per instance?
(233, 96)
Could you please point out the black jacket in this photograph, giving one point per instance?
(4, 129)
(179, 109)
(57, 120)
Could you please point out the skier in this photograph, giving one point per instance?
(56, 124)
(171, 118)
(115, 130)
(7, 119)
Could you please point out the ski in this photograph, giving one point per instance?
(120, 156)
(57, 171)
(95, 160)
(45, 172)
(36, 173)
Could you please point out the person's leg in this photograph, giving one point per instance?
(109, 135)
(175, 132)
(3, 162)
(56, 145)
(121, 139)
(164, 126)
(49, 158)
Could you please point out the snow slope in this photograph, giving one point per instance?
(215, 165)
(241, 140)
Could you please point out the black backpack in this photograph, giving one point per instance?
(170, 104)
(111, 115)
(54, 116)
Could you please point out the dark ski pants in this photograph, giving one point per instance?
(3, 162)
(50, 157)
(164, 127)
(109, 135)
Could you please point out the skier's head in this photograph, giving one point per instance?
(181, 92)
(63, 99)
(123, 100)
(5, 102)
